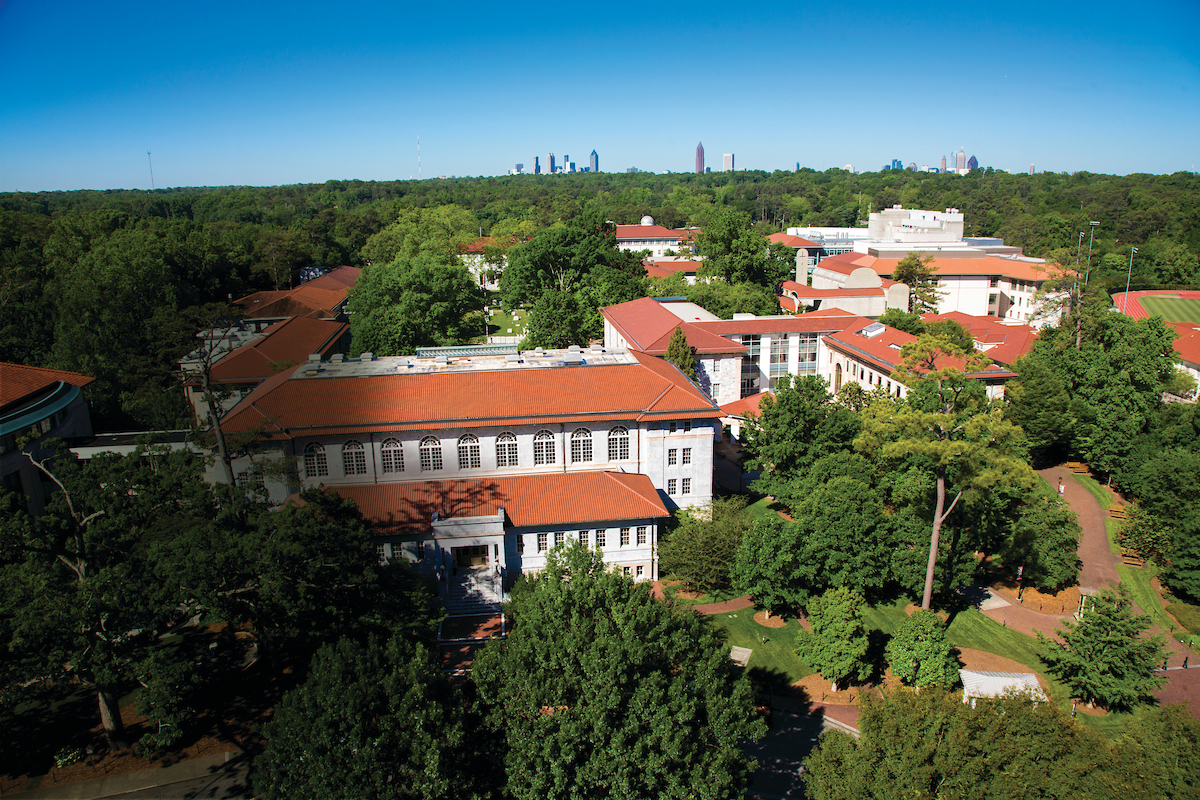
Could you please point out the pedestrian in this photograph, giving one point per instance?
(1061, 488)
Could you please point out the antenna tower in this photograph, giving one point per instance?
(148, 158)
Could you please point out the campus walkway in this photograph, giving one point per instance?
(1098, 570)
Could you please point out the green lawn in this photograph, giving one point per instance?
(713, 596)
(761, 509)
(1172, 309)
(776, 660)
(1096, 490)
(500, 322)
(973, 629)
(886, 618)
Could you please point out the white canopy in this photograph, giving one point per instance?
(995, 684)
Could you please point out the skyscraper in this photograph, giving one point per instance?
(550, 163)
(1031, 169)
(943, 169)
(972, 163)
(727, 162)
(700, 157)
(594, 162)
(537, 166)
(960, 160)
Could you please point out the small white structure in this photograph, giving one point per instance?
(998, 684)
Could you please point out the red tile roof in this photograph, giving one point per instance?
(1188, 343)
(291, 340)
(647, 326)
(792, 241)
(319, 298)
(807, 291)
(627, 232)
(551, 499)
(18, 381)
(985, 265)
(883, 350)
(663, 269)
(1007, 342)
(747, 405)
(650, 389)
(815, 322)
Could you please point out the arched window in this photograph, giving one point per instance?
(468, 452)
(392, 456)
(618, 444)
(506, 450)
(581, 445)
(315, 465)
(354, 458)
(543, 448)
(431, 454)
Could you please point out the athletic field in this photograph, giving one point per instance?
(1171, 309)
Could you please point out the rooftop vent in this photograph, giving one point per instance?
(337, 358)
(311, 373)
(873, 330)
(597, 348)
(513, 358)
(574, 348)
(441, 360)
(573, 358)
(367, 357)
(315, 357)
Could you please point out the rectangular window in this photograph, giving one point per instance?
(624, 537)
(687, 455)
(583, 538)
(674, 427)
(687, 425)
(716, 391)
(625, 571)
(641, 534)
(542, 539)
(420, 551)
(600, 537)
(671, 485)
(686, 488)
(994, 282)
(379, 554)
(558, 538)
(640, 570)
(520, 545)
(672, 457)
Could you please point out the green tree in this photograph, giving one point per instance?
(82, 596)
(922, 640)
(556, 320)
(440, 234)
(399, 306)
(737, 253)
(374, 720)
(702, 550)
(904, 321)
(1104, 658)
(1157, 755)
(930, 744)
(838, 644)
(944, 426)
(768, 566)
(1038, 401)
(918, 273)
(793, 430)
(602, 691)
(681, 354)
(1044, 539)
(844, 535)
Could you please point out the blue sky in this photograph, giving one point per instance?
(263, 93)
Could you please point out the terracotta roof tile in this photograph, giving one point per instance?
(1188, 343)
(817, 321)
(649, 389)
(792, 241)
(883, 350)
(747, 405)
(647, 327)
(985, 265)
(318, 298)
(634, 232)
(528, 500)
(1002, 343)
(292, 340)
(18, 381)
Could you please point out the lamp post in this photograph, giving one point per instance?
(1128, 277)
(1093, 224)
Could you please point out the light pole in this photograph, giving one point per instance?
(1128, 277)
(1093, 225)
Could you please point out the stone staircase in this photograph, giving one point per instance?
(474, 590)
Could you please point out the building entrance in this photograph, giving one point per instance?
(471, 556)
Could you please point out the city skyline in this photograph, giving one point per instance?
(269, 94)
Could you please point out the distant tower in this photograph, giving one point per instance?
(943, 164)
(550, 163)
(1031, 169)
(960, 160)
(700, 157)
(594, 162)
(537, 166)
(727, 162)
(972, 163)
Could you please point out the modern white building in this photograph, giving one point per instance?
(646, 235)
(484, 457)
